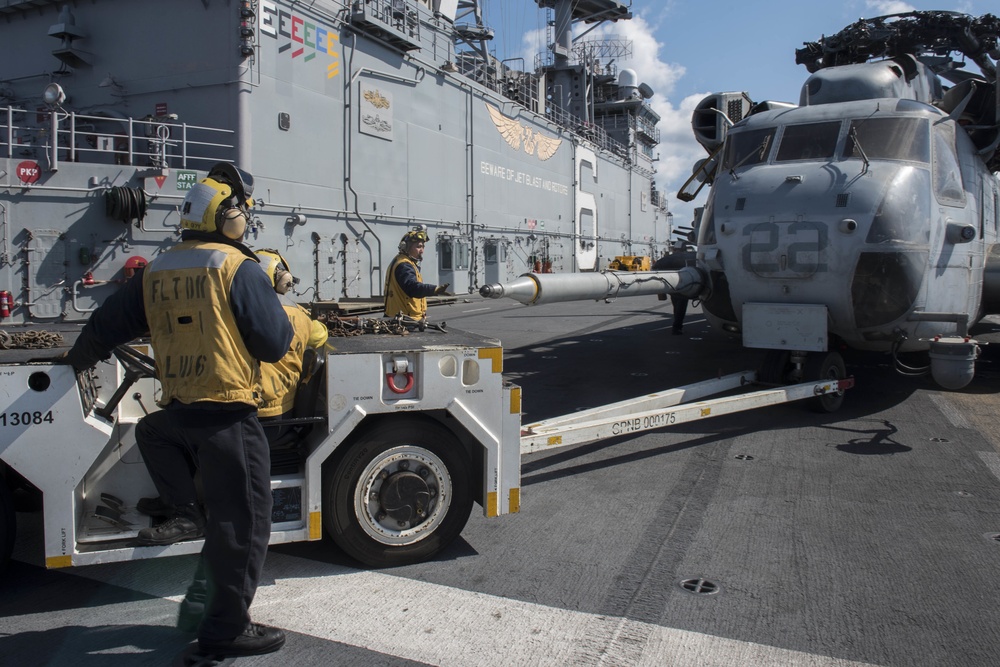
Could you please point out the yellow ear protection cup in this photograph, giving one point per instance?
(233, 212)
(282, 281)
(276, 268)
(232, 223)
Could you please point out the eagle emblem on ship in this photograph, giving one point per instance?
(516, 134)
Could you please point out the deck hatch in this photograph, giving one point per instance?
(700, 586)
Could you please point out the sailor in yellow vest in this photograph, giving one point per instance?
(212, 317)
(281, 378)
(405, 290)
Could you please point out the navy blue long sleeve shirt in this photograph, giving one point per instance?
(406, 276)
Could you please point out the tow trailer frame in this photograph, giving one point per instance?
(667, 408)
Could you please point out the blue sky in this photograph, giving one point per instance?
(685, 50)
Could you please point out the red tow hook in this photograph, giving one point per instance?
(390, 379)
(400, 366)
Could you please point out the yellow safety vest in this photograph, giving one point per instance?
(280, 379)
(396, 299)
(200, 354)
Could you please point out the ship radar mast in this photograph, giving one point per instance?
(576, 83)
(584, 88)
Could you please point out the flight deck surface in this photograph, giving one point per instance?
(774, 537)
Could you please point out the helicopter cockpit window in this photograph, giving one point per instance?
(748, 148)
(812, 141)
(888, 139)
(947, 174)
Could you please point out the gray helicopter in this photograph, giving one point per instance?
(866, 217)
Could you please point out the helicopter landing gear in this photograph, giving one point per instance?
(825, 366)
(782, 367)
(776, 367)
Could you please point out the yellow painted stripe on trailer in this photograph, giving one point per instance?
(491, 504)
(315, 525)
(54, 562)
(515, 400)
(495, 354)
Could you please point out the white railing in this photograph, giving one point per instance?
(150, 141)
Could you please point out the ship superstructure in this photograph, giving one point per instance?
(359, 120)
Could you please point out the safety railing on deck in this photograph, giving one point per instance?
(150, 141)
(658, 199)
(629, 121)
(593, 133)
(395, 22)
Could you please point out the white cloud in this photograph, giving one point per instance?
(678, 151)
(883, 7)
(532, 44)
(645, 59)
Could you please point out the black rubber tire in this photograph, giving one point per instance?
(353, 523)
(8, 523)
(774, 368)
(825, 366)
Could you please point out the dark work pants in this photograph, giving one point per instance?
(680, 304)
(230, 451)
(272, 432)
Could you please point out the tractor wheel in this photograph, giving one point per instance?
(399, 494)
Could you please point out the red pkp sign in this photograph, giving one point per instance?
(28, 171)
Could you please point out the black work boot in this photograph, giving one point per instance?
(187, 523)
(256, 639)
(155, 507)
